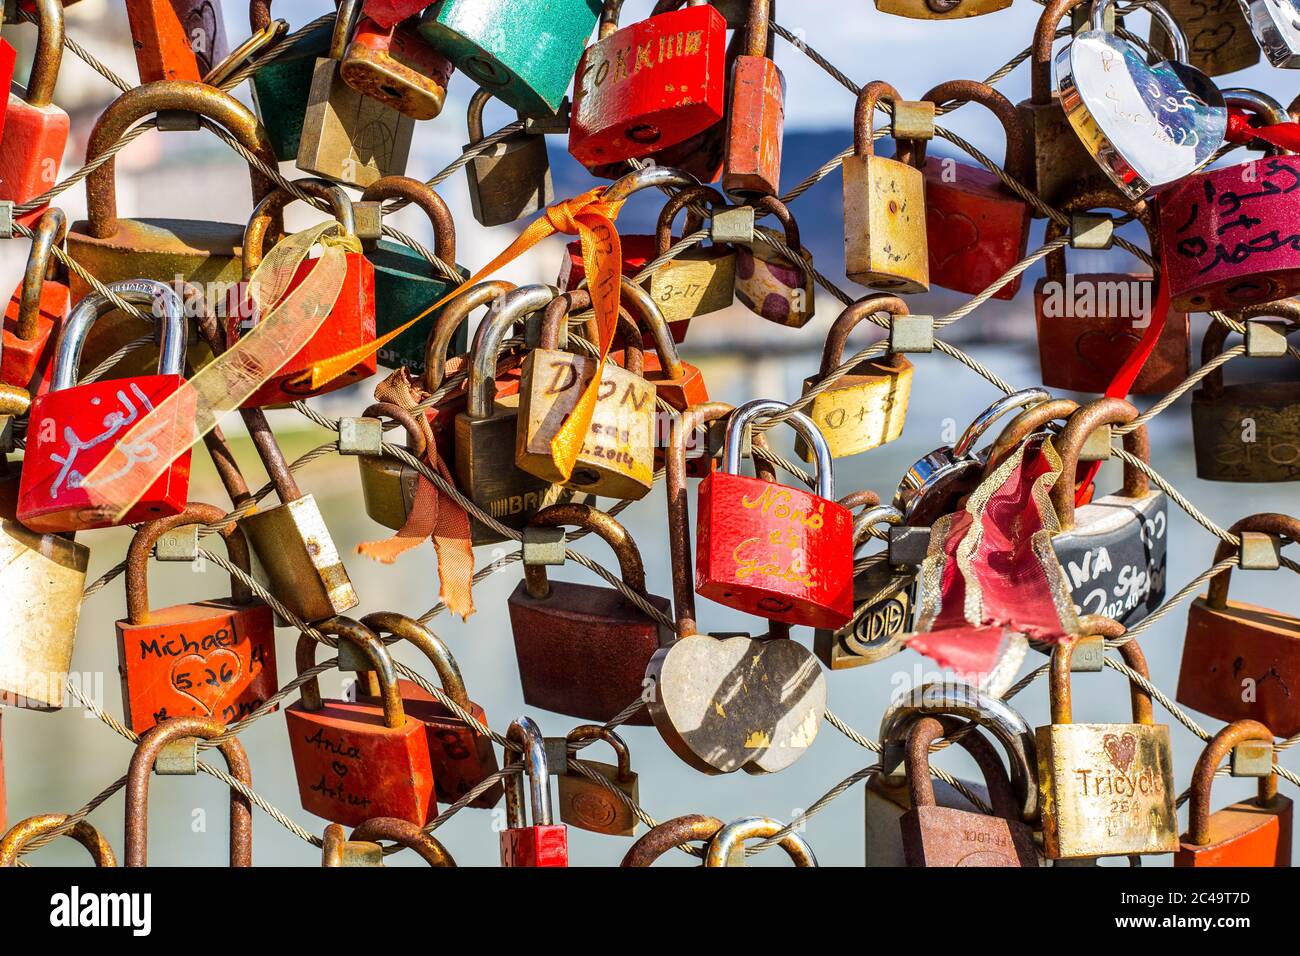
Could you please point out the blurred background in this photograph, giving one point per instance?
(58, 762)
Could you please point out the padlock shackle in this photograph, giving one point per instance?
(864, 115)
(49, 53)
(1258, 103)
(1062, 704)
(854, 314)
(491, 333)
(416, 442)
(679, 831)
(272, 456)
(1040, 60)
(609, 14)
(558, 311)
(453, 314)
(381, 665)
(599, 732)
(50, 231)
(866, 498)
(1032, 420)
(1177, 39)
(528, 736)
(259, 15)
(651, 177)
(25, 831)
(1216, 751)
(985, 420)
(756, 28)
(223, 460)
(640, 304)
(1216, 337)
(1090, 199)
(344, 21)
(268, 213)
(684, 199)
(916, 759)
(746, 415)
(429, 202)
(434, 649)
(1069, 444)
(146, 753)
(169, 327)
(1268, 522)
(783, 215)
(141, 101)
(606, 527)
(137, 556)
(1016, 159)
(732, 837)
(407, 834)
(868, 519)
(474, 116)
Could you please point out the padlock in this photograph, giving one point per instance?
(543, 843)
(361, 849)
(166, 739)
(770, 284)
(51, 496)
(281, 87)
(755, 116)
(349, 324)
(617, 455)
(39, 306)
(772, 550)
(700, 280)
(589, 805)
(1105, 789)
(1060, 162)
(935, 836)
(348, 136)
(1240, 660)
(648, 86)
(977, 228)
(1274, 28)
(205, 255)
(524, 51)
(1219, 40)
(511, 178)
(1089, 325)
(940, 9)
(207, 659)
(8, 59)
(461, 756)
(485, 432)
(677, 832)
(867, 407)
(678, 383)
(1254, 832)
(356, 760)
(176, 39)
(583, 650)
(1036, 419)
(727, 848)
(1248, 431)
(1113, 550)
(395, 66)
(405, 282)
(13, 843)
(638, 251)
(35, 131)
(1222, 229)
(388, 485)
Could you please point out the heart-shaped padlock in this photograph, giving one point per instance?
(1146, 125)
(1276, 25)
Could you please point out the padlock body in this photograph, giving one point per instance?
(638, 250)
(775, 551)
(524, 51)
(281, 88)
(884, 224)
(390, 12)
(394, 66)
(31, 149)
(64, 425)
(1061, 164)
(210, 659)
(535, 846)
(886, 802)
(8, 57)
(977, 230)
(877, 633)
(1114, 558)
(1242, 662)
(1244, 834)
(404, 287)
(1089, 325)
(920, 10)
(617, 455)
(1106, 790)
(350, 767)
(176, 39)
(681, 393)
(1272, 409)
(864, 409)
(1221, 234)
(21, 359)
(1219, 40)
(942, 836)
(755, 128)
(700, 281)
(588, 805)
(510, 179)
(349, 137)
(648, 86)
(583, 650)
(773, 287)
(299, 556)
(388, 489)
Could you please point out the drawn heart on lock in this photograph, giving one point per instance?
(204, 674)
(1104, 352)
(1121, 749)
(1213, 39)
(951, 234)
(201, 27)
(737, 703)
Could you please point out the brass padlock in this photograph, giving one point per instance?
(589, 805)
(700, 280)
(727, 848)
(388, 485)
(510, 179)
(362, 848)
(770, 284)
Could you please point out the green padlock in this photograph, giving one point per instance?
(524, 51)
(280, 88)
(405, 282)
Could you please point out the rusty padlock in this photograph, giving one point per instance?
(755, 115)
(38, 308)
(590, 805)
(362, 848)
(24, 832)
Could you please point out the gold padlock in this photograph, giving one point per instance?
(700, 280)
(388, 485)
(767, 282)
(1105, 789)
(589, 805)
(617, 456)
(867, 407)
(509, 179)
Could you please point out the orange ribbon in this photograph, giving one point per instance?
(589, 216)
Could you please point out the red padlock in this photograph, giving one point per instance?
(395, 66)
(543, 843)
(638, 250)
(756, 118)
(355, 761)
(772, 550)
(8, 59)
(176, 39)
(351, 323)
(39, 306)
(462, 757)
(71, 427)
(977, 228)
(387, 13)
(210, 659)
(35, 130)
(648, 86)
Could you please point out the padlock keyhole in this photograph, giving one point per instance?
(644, 133)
